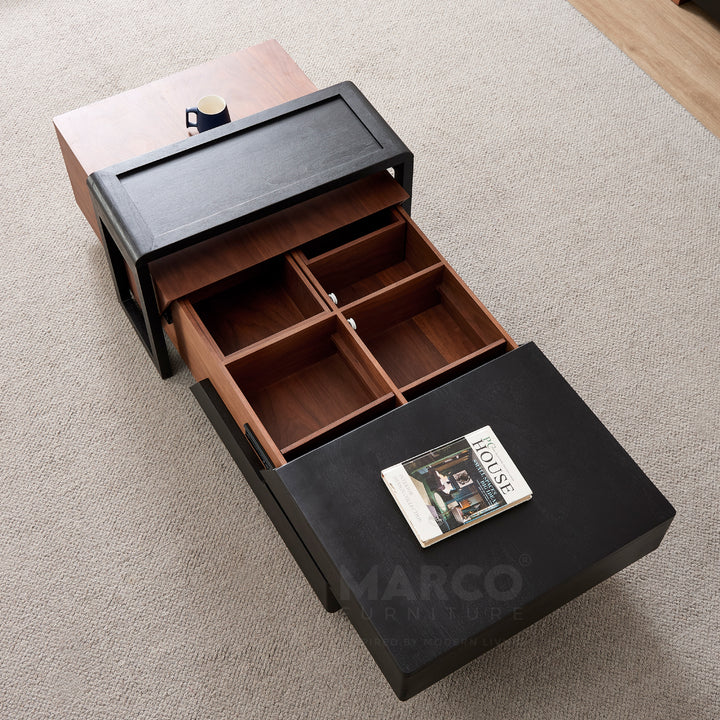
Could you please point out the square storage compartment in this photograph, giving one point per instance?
(426, 329)
(311, 383)
(373, 262)
(349, 231)
(256, 304)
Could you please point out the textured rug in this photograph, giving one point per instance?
(140, 577)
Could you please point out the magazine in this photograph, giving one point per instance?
(456, 485)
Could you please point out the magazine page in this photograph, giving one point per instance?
(446, 489)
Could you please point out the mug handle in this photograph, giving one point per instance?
(187, 117)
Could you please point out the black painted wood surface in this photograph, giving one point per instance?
(425, 612)
(250, 168)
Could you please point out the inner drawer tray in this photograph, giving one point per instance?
(299, 365)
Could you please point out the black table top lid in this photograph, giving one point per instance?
(590, 502)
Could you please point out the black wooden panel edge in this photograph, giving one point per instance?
(257, 447)
(140, 311)
(394, 153)
(405, 685)
(241, 452)
(532, 612)
(119, 212)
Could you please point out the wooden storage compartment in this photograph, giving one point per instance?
(287, 362)
(321, 222)
(426, 328)
(374, 261)
(259, 302)
(310, 383)
(352, 230)
(289, 365)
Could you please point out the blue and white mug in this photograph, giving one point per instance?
(211, 112)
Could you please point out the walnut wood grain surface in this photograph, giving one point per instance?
(294, 369)
(310, 382)
(152, 116)
(271, 299)
(373, 262)
(183, 272)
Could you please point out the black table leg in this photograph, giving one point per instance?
(147, 325)
(404, 176)
(150, 327)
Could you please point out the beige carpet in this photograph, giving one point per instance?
(139, 576)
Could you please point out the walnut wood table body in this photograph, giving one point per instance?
(150, 117)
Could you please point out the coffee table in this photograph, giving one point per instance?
(424, 612)
(421, 612)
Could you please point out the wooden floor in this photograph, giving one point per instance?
(678, 46)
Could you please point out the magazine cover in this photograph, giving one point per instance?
(459, 484)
